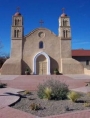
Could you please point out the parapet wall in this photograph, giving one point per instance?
(86, 71)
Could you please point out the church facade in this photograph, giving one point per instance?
(41, 51)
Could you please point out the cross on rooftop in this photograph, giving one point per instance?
(63, 10)
(18, 8)
(41, 22)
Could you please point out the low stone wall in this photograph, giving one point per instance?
(86, 71)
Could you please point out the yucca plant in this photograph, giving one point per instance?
(73, 96)
(47, 93)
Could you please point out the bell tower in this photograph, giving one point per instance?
(64, 26)
(17, 34)
(13, 65)
(65, 35)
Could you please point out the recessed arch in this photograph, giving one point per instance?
(48, 62)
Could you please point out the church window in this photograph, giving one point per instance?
(16, 21)
(14, 33)
(64, 33)
(87, 62)
(40, 44)
(17, 33)
(64, 23)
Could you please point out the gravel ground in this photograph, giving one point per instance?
(50, 107)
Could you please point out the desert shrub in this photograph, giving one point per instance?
(88, 94)
(58, 90)
(86, 104)
(35, 106)
(26, 92)
(73, 96)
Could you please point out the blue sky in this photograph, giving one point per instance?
(49, 11)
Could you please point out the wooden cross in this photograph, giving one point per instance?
(41, 22)
(63, 10)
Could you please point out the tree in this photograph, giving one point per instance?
(3, 56)
(1, 46)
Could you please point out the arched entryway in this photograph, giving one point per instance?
(41, 64)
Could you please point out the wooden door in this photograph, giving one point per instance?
(41, 68)
(44, 68)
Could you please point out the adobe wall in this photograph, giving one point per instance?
(51, 48)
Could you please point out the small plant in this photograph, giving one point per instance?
(73, 96)
(56, 90)
(67, 108)
(26, 92)
(47, 93)
(56, 71)
(27, 72)
(3, 85)
(88, 94)
(34, 106)
(86, 104)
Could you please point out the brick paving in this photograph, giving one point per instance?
(8, 96)
(85, 89)
(19, 83)
(78, 76)
(8, 77)
(31, 82)
(8, 112)
(80, 114)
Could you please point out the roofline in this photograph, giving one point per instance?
(40, 28)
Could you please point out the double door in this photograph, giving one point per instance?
(42, 68)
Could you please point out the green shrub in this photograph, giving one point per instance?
(73, 96)
(59, 90)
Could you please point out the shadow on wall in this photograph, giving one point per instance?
(25, 67)
(53, 65)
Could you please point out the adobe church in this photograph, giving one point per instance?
(41, 51)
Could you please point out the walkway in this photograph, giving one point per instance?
(19, 83)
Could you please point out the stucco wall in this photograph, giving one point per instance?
(12, 66)
(51, 48)
(86, 71)
(66, 48)
(71, 66)
(83, 59)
